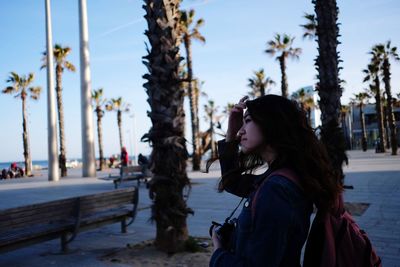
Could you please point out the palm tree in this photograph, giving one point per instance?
(310, 28)
(328, 86)
(211, 110)
(386, 119)
(372, 74)
(167, 134)
(220, 119)
(361, 99)
(259, 84)
(189, 33)
(21, 88)
(60, 54)
(97, 96)
(283, 44)
(386, 52)
(306, 102)
(117, 105)
(344, 111)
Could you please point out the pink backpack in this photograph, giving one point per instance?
(335, 240)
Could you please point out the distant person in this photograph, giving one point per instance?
(144, 163)
(15, 171)
(142, 160)
(124, 158)
(111, 165)
(377, 144)
(4, 174)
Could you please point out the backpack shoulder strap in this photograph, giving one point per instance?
(287, 173)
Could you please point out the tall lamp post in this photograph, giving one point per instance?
(53, 171)
(88, 157)
(134, 138)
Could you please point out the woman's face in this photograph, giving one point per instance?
(251, 137)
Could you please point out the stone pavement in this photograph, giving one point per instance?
(375, 177)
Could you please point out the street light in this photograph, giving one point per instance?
(134, 161)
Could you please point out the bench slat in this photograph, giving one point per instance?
(33, 231)
(38, 216)
(40, 222)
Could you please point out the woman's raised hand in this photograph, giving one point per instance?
(236, 119)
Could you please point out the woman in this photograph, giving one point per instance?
(273, 225)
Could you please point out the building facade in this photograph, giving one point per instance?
(371, 125)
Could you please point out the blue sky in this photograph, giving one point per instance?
(236, 33)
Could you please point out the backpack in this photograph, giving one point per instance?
(335, 240)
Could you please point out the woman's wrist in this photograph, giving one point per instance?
(230, 137)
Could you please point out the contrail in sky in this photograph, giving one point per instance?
(137, 21)
(115, 29)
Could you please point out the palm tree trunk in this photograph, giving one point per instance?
(100, 138)
(25, 137)
(391, 117)
(309, 116)
(169, 154)
(262, 90)
(63, 156)
(212, 142)
(386, 124)
(119, 121)
(363, 131)
(344, 130)
(193, 110)
(284, 83)
(379, 114)
(328, 87)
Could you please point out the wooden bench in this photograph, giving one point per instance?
(129, 173)
(65, 218)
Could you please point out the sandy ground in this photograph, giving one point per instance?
(145, 254)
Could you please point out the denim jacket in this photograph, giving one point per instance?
(275, 234)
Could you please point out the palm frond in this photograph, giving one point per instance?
(9, 90)
(35, 92)
(69, 66)
(30, 78)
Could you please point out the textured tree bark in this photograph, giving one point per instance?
(193, 107)
(166, 136)
(60, 107)
(363, 131)
(119, 121)
(100, 138)
(328, 87)
(379, 114)
(284, 83)
(25, 137)
(391, 117)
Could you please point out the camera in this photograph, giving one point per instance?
(224, 231)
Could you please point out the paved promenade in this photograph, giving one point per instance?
(375, 177)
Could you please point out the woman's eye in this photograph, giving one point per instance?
(247, 120)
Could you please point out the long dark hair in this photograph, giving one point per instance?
(285, 128)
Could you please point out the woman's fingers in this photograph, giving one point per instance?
(242, 103)
(243, 99)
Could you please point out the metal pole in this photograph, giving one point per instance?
(88, 156)
(53, 170)
(135, 146)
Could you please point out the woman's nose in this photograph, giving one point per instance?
(241, 131)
